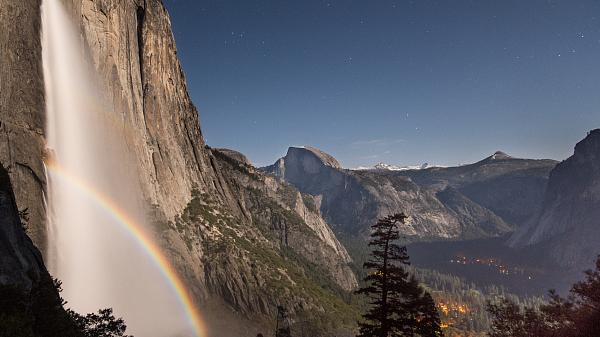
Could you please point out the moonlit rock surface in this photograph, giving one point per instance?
(22, 109)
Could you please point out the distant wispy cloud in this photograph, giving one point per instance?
(377, 142)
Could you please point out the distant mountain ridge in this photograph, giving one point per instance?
(445, 203)
(511, 187)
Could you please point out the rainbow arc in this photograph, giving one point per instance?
(139, 235)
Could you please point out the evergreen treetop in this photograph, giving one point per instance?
(399, 306)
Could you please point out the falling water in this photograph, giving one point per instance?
(99, 264)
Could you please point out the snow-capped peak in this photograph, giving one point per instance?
(389, 167)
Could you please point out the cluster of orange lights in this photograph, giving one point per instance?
(450, 312)
(498, 265)
(454, 308)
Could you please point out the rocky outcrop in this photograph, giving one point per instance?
(568, 224)
(352, 200)
(235, 155)
(20, 262)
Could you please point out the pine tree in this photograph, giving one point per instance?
(427, 319)
(399, 306)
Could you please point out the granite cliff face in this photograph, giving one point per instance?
(22, 109)
(353, 200)
(568, 224)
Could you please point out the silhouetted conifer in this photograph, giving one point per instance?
(102, 324)
(40, 313)
(399, 306)
(282, 328)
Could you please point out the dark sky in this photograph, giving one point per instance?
(403, 82)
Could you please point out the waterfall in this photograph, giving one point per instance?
(99, 262)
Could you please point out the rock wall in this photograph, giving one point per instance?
(22, 109)
(568, 224)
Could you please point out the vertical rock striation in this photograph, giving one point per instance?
(22, 108)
